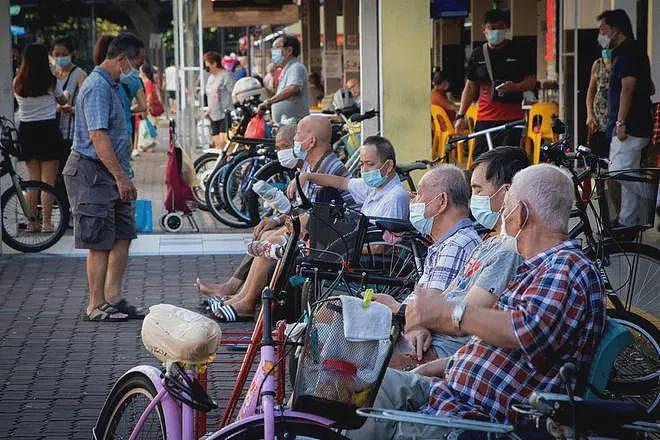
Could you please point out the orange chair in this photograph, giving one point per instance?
(539, 128)
(442, 130)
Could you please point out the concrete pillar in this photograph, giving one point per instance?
(6, 74)
(351, 39)
(332, 66)
(311, 38)
(478, 8)
(654, 45)
(369, 64)
(405, 87)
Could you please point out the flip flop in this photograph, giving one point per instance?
(105, 313)
(129, 310)
(227, 313)
(212, 303)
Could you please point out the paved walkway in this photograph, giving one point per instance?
(55, 369)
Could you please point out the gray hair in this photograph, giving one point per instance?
(286, 133)
(449, 179)
(548, 193)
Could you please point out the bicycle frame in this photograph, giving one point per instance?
(487, 132)
(7, 167)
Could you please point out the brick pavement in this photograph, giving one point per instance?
(55, 369)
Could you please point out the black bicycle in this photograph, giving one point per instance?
(22, 220)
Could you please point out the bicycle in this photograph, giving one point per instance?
(17, 214)
(636, 375)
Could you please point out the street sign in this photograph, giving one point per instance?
(14, 10)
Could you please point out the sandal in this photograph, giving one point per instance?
(131, 311)
(105, 313)
(227, 313)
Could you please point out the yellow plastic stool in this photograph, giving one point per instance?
(442, 129)
(471, 119)
(539, 128)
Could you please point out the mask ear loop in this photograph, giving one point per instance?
(526, 218)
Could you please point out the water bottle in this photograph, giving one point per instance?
(272, 196)
(266, 249)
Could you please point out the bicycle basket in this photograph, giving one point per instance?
(335, 377)
(628, 198)
(333, 232)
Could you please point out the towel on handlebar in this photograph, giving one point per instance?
(372, 323)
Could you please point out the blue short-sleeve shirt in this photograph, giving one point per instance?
(99, 107)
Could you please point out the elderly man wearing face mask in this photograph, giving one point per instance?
(552, 312)
(379, 190)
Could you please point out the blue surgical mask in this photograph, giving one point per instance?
(606, 53)
(297, 150)
(63, 62)
(417, 218)
(276, 55)
(133, 73)
(495, 36)
(482, 210)
(373, 178)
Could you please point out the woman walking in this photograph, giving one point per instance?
(37, 93)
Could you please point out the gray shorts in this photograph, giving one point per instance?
(100, 217)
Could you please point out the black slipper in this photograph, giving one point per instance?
(105, 313)
(131, 311)
(227, 313)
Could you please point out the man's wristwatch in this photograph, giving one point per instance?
(459, 116)
(620, 123)
(400, 315)
(457, 315)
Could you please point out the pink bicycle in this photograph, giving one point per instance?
(152, 403)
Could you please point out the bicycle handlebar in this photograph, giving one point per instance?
(367, 115)
(507, 126)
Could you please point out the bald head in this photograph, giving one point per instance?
(284, 137)
(315, 129)
(548, 194)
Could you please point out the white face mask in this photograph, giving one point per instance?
(287, 158)
(508, 241)
(604, 40)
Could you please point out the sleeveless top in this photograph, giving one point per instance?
(70, 83)
(602, 90)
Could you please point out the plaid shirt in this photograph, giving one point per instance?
(557, 306)
(447, 256)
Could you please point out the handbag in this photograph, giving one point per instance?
(256, 128)
(152, 130)
(153, 103)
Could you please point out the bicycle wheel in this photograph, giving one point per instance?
(14, 221)
(636, 372)
(621, 259)
(124, 407)
(204, 166)
(215, 203)
(286, 427)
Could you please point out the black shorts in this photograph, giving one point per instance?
(171, 94)
(100, 216)
(218, 127)
(41, 140)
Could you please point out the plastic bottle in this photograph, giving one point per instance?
(266, 249)
(272, 196)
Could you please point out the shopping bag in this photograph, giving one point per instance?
(256, 128)
(145, 140)
(143, 216)
(152, 130)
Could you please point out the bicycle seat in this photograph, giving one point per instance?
(173, 334)
(392, 225)
(405, 168)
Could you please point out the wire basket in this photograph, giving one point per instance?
(335, 376)
(627, 198)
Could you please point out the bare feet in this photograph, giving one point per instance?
(223, 290)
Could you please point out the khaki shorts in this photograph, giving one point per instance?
(100, 217)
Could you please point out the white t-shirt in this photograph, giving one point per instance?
(170, 78)
(38, 108)
(218, 90)
(391, 201)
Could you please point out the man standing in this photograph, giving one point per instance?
(630, 118)
(97, 180)
(292, 97)
(498, 73)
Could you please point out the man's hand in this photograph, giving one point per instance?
(66, 108)
(263, 107)
(430, 311)
(292, 190)
(264, 225)
(435, 368)
(460, 124)
(127, 190)
(506, 87)
(388, 301)
(420, 338)
(621, 132)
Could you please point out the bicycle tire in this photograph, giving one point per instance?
(636, 370)
(10, 235)
(203, 166)
(645, 295)
(236, 175)
(217, 208)
(129, 389)
(286, 427)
